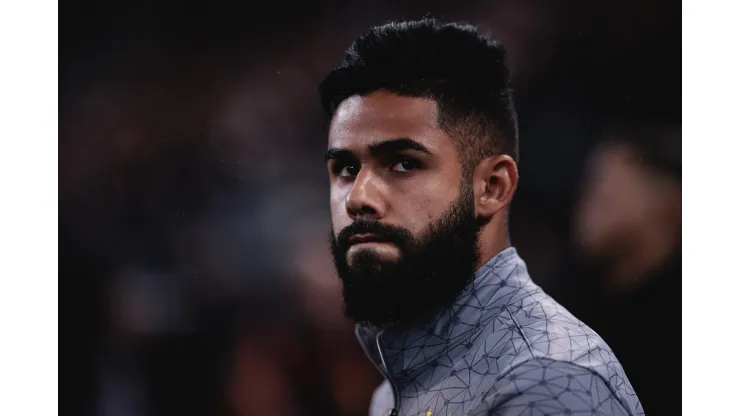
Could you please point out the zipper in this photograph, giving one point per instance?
(396, 395)
(381, 368)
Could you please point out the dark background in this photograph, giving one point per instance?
(193, 194)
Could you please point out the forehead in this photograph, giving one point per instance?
(362, 120)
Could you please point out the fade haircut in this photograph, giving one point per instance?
(455, 65)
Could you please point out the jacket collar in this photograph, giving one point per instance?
(400, 351)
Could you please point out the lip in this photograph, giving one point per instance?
(365, 238)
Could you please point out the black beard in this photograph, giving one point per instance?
(431, 273)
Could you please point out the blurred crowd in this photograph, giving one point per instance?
(194, 198)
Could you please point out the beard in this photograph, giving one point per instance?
(430, 273)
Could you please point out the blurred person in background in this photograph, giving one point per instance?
(628, 243)
(423, 142)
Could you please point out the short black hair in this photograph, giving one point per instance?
(454, 64)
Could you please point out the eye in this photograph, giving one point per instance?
(346, 170)
(405, 165)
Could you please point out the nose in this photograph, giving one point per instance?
(365, 197)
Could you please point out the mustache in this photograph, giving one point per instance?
(393, 234)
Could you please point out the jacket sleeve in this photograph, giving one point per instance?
(549, 387)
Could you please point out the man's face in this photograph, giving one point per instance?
(404, 235)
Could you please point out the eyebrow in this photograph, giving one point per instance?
(383, 147)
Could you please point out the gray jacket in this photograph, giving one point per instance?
(503, 348)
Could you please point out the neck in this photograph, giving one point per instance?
(495, 245)
(493, 239)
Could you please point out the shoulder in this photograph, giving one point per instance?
(550, 331)
(552, 352)
(382, 400)
(547, 386)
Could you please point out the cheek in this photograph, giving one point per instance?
(425, 205)
(339, 217)
(426, 209)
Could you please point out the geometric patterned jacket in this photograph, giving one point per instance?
(504, 347)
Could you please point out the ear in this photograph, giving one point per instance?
(494, 182)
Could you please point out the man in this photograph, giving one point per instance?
(628, 235)
(422, 167)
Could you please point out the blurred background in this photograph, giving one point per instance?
(194, 198)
